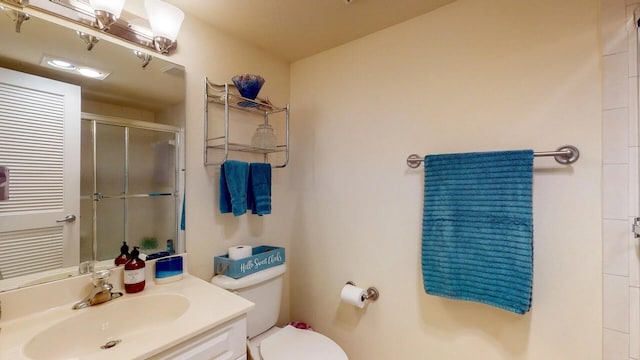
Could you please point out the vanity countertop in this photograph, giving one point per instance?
(209, 307)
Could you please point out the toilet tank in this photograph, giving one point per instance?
(263, 288)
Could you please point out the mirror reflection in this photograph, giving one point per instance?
(128, 186)
(129, 166)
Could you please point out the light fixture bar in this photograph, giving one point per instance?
(106, 11)
(15, 2)
(68, 10)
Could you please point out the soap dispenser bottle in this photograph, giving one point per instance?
(134, 273)
(124, 255)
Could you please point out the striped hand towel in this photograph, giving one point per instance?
(477, 231)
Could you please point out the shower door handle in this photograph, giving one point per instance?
(69, 218)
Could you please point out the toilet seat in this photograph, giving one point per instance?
(294, 344)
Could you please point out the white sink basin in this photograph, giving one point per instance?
(38, 322)
(102, 327)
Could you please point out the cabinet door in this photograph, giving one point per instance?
(227, 342)
(40, 144)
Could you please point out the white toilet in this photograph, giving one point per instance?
(266, 341)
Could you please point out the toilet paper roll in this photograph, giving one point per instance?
(353, 295)
(239, 252)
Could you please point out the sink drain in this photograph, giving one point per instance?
(110, 344)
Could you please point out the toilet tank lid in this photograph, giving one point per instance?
(230, 283)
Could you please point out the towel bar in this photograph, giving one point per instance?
(564, 155)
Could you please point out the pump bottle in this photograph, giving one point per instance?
(134, 273)
(124, 255)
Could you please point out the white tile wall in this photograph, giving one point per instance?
(621, 264)
(615, 247)
(634, 322)
(615, 179)
(616, 303)
(613, 18)
(615, 81)
(615, 138)
(123, 112)
(615, 345)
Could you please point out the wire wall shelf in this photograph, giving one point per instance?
(226, 96)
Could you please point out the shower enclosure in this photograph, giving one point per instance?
(129, 188)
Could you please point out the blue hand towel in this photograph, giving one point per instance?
(477, 230)
(260, 188)
(234, 179)
(183, 220)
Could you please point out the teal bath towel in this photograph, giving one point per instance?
(259, 193)
(234, 179)
(477, 231)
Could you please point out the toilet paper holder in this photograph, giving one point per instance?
(372, 292)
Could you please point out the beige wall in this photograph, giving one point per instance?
(472, 76)
(207, 52)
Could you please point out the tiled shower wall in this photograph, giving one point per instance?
(621, 265)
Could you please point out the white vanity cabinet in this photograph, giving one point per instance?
(225, 342)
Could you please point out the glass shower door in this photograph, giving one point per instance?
(151, 203)
(103, 183)
(111, 184)
(129, 188)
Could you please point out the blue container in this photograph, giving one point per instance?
(157, 255)
(263, 257)
(169, 269)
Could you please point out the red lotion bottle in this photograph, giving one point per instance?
(134, 273)
(124, 255)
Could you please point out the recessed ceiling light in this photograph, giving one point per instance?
(92, 73)
(61, 64)
(69, 66)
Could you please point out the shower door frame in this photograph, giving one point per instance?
(178, 192)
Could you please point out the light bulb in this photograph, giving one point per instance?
(165, 19)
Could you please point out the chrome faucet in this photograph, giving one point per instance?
(101, 291)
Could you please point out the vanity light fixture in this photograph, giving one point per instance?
(165, 20)
(88, 39)
(81, 5)
(144, 57)
(17, 16)
(107, 12)
(108, 16)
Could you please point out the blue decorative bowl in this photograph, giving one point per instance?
(248, 85)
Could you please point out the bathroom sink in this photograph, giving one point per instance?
(101, 327)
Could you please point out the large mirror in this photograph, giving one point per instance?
(131, 158)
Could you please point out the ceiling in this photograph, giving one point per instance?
(290, 29)
(295, 29)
